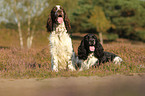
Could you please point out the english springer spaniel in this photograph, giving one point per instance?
(62, 55)
(92, 53)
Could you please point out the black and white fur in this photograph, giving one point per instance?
(92, 53)
(62, 55)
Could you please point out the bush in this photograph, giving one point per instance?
(141, 35)
(110, 36)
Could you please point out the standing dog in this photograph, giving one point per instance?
(62, 55)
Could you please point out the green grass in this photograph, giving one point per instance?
(35, 63)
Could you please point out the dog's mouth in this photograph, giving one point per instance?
(60, 19)
(92, 48)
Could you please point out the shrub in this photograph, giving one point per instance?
(140, 35)
(111, 36)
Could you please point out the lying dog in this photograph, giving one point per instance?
(91, 53)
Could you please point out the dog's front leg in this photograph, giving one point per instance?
(54, 64)
(70, 66)
(73, 61)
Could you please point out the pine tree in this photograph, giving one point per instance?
(81, 15)
(126, 15)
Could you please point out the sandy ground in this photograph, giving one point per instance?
(115, 85)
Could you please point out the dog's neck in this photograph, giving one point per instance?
(91, 54)
(59, 28)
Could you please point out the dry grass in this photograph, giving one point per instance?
(35, 63)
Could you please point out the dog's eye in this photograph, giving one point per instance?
(61, 8)
(87, 38)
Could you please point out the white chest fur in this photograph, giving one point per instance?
(91, 60)
(61, 46)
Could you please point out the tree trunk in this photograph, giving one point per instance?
(101, 37)
(20, 34)
(18, 24)
(29, 41)
(31, 33)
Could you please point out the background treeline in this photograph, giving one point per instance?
(112, 18)
(127, 17)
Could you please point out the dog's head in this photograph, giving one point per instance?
(90, 41)
(90, 44)
(57, 16)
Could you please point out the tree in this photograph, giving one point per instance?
(99, 20)
(126, 15)
(81, 15)
(22, 11)
(33, 10)
(17, 10)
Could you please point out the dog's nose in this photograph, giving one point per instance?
(92, 42)
(59, 12)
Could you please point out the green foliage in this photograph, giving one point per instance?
(81, 15)
(140, 35)
(123, 15)
(99, 20)
(111, 36)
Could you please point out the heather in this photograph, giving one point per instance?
(36, 62)
(24, 44)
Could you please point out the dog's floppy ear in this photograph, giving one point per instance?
(66, 21)
(82, 52)
(49, 24)
(99, 50)
(50, 20)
